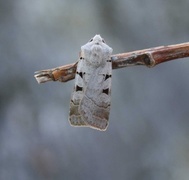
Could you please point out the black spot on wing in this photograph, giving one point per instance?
(81, 58)
(80, 74)
(106, 91)
(78, 88)
(107, 76)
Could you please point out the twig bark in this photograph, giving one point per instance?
(148, 57)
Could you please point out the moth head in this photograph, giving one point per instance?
(97, 39)
(96, 51)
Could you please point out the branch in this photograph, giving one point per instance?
(148, 57)
(63, 74)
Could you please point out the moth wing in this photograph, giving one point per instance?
(95, 104)
(78, 92)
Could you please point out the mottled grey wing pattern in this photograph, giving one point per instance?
(90, 102)
(78, 92)
(95, 104)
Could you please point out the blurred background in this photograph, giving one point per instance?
(148, 133)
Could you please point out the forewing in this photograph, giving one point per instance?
(95, 104)
(78, 92)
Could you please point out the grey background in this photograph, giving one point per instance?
(148, 134)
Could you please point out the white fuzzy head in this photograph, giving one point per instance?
(96, 51)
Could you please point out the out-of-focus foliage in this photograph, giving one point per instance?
(148, 135)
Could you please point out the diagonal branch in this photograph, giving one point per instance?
(148, 57)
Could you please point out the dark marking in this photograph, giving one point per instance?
(105, 91)
(78, 88)
(146, 59)
(107, 76)
(80, 74)
(109, 60)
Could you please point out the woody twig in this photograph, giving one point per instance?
(148, 57)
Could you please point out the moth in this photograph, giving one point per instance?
(91, 97)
